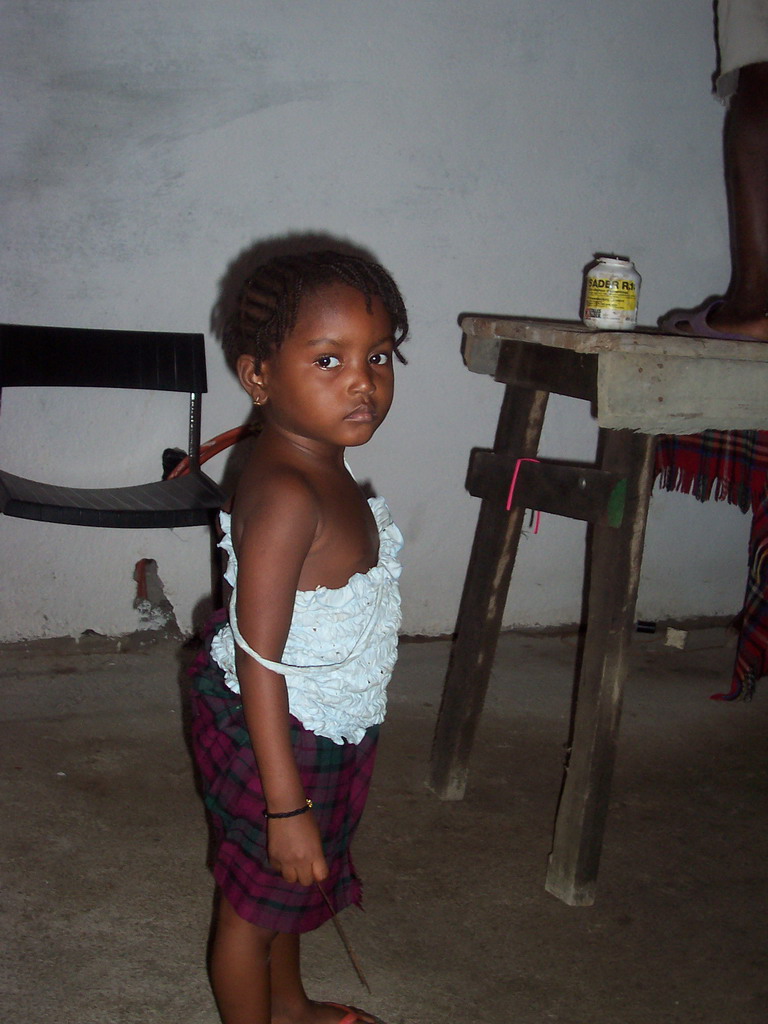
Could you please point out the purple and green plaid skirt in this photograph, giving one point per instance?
(336, 777)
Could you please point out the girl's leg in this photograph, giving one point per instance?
(290, 1004)
(239, 966)
(289, 1000)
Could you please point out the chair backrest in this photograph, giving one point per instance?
(82, 357)
(64, 357)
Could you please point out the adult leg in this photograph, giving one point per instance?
(745, 309)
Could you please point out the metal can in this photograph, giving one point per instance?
(611, 292)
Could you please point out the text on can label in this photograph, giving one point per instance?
(607, 282)
(611, 294)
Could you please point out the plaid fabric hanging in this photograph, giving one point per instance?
(730, 465)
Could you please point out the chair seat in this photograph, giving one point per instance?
(184, 501)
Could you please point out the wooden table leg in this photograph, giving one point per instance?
(614, 576)
(482, 604)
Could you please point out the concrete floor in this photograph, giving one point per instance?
(106, 897)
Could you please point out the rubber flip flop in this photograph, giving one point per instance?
(352, 1016)
(698, 322)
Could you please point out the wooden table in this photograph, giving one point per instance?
(639, 384)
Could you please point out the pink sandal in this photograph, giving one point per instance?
(352, 1016)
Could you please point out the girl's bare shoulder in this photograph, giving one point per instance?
(275, 495)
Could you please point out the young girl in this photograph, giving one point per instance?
(288, 705)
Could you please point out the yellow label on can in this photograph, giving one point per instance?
(611, 293)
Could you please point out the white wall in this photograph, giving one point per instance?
(483, 150)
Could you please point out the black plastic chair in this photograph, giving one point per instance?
(76, 357)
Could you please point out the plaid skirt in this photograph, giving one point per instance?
(336, 777)
(732, 465)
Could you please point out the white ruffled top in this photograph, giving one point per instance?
(342, 643)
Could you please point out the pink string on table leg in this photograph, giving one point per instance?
(512, 491)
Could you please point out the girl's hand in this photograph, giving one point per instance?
(296, 850)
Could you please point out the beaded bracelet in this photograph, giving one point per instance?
(289, 814)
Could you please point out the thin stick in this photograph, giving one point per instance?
(342, 935)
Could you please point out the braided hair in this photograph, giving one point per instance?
(270, 299)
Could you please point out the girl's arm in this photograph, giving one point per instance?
(275, 537)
